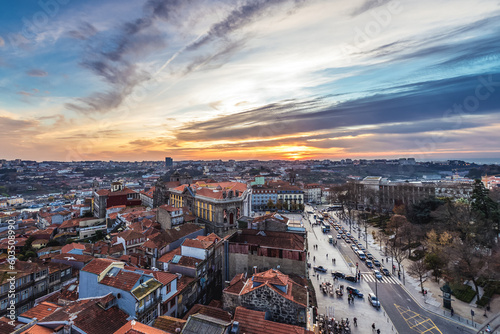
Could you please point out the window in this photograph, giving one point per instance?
(168, 287)
(24, 294)
(4, 303)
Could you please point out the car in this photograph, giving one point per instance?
(376, 263)
(360, 244)
(369, 256)
(373, 300)
(355, 241)
(339, 236)
(362, 249)
(354, 291)
(320, 268)
(369, 264)
(338, 274)
(386, 272)
(377, 274)
(347, 241)
(350, 278)
(340, 232)
(348, 234)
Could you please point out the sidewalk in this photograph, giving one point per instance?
(431, 301)
(339, 307)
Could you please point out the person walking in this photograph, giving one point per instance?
(355, 322)
(373, 327)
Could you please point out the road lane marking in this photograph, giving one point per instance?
(417, 322)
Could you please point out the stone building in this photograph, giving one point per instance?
(248, 249)
(271, 291)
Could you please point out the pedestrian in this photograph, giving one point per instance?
(327, 255)
(378, 331)
(452, 312)
(349, 300)
(355, 322)
(373, 326)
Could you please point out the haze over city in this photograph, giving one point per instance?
(249, 79)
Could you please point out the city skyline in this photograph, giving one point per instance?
(249, 80)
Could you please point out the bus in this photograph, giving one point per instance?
(326, 227)
(361, 255)
(330, 239)
(320, 217)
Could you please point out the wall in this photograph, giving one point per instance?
(265, 299)
(198, 253)
(241, 263)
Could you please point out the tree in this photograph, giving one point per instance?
(469, 259)
(397, 252)
(270, 204)
(279, 205)
(435, 263)
(419, 269)
(420, 213)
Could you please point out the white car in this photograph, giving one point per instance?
(373, 300)
(377, 274)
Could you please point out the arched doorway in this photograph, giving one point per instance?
(231, 218)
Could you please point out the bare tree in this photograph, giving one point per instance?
(419, 269)
(397, 252)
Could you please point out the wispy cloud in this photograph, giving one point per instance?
(37, 73)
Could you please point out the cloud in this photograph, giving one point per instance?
(85, 31)
(2, 42)
(36, 73)
(368, 5)
(431, 102)
(12, 127)
(239, 17)
(114, 59)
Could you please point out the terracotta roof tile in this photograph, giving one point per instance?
(254, 322)
(135, 327)
(97, 266)
(41, 311)
(210, 311)
(124, 280)
(169, 324)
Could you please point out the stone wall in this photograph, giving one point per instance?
(265, 299)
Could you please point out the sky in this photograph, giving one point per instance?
(249, 79)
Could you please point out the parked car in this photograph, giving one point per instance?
(347, 241)
(386, 272)
(369, 256)
(369, 264)
(320, 268)
(373, 300)
(351, 278)
(354, 291)
(339, 236)
(377, 274)
(376, 263)
(338, 274)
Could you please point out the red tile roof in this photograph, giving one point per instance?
(123, 280)
(254, 322)
(136, 327)
(71, 246)
(97, 266)
(40, 311)
(169, 208)
(170, 255)
(270, 278)
(90, 317)
(210, 311)
(169, 324)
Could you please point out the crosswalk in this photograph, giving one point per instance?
(369, 277)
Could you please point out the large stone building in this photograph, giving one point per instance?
(283, 299)
(248, 250)
(375, 191)
(216, 205)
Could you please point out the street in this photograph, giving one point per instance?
(406, 315)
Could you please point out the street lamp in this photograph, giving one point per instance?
(403, 274)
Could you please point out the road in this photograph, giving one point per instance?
(405, 313)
